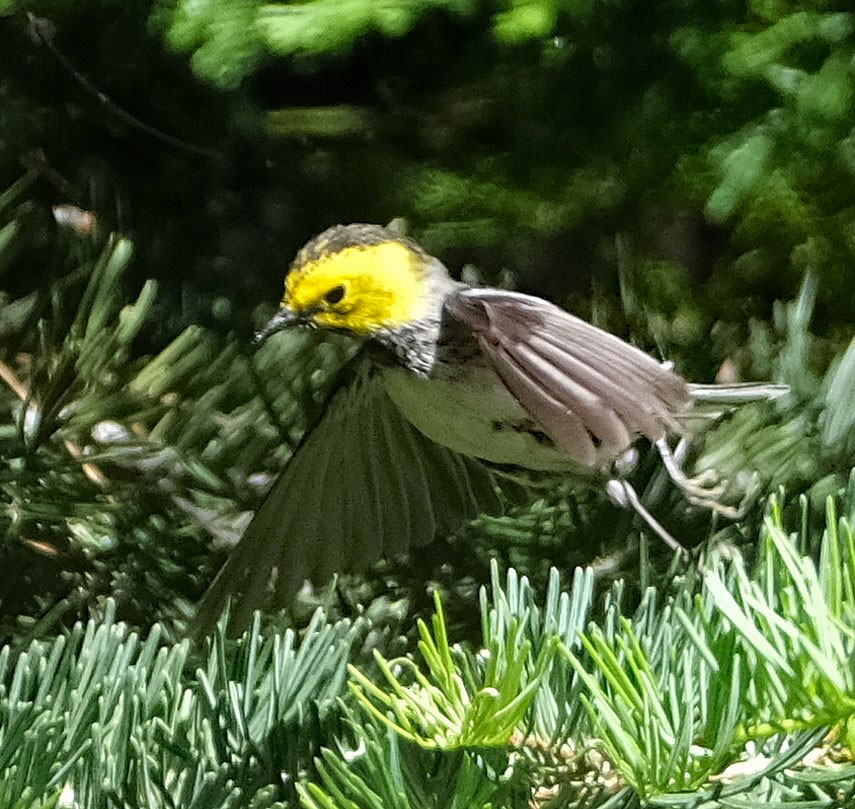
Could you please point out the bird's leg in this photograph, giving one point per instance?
(698, 490)
(622, 493)
(674, 465)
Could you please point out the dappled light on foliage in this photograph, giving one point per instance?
(680, 174)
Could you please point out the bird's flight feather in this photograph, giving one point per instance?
(589, 391)
(363, 483)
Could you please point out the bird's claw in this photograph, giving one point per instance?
(705, 489)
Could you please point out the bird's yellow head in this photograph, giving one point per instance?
(357, 278)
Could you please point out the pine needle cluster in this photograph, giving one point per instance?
(726, 682)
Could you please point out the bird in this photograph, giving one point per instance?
(449, 386)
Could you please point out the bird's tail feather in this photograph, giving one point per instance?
(738, 393)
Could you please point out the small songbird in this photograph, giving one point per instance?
(449, 383)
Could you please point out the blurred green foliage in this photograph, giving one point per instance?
(681, 173)
(709, 144)
(738, 118)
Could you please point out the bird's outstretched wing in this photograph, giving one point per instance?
(589, 391)
(363, 483)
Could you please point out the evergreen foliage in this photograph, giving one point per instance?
(119, 471)
(734, 693)
(732, 684)
(162, 160)
(742, 114)
(110, 719)
(703, 148)
(651, 704)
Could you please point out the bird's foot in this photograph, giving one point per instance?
(705, 489)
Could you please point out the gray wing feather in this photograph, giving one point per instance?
(377, 522)
(363, 483)
(558, 421)
(571, 382)
(456, 490)
(588, 390)
(399, 451)
(583, 370)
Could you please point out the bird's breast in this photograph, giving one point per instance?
(466, 408)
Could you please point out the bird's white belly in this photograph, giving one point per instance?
(475, 415)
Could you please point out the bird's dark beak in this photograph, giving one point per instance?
(283, 319)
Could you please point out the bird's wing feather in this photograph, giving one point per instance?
(589, 391)
(363, 483)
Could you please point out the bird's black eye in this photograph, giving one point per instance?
(335, 294)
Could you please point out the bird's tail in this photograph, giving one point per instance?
(713, 402)
(705, 489)
(738, 393)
